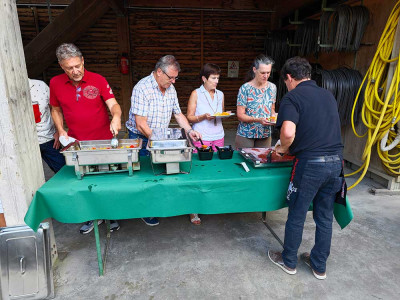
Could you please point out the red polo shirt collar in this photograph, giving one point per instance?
(85, 77)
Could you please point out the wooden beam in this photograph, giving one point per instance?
(43, 2)
(253, 5)
(21, 170)
(67, 27)
(126, 79)
(118, 7)
(201, 39)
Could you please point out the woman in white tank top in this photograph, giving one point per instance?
(205, 102)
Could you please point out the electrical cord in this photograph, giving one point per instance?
(381, 109)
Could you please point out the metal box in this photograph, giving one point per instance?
(169, 146)
(97, 156)
(25, 263)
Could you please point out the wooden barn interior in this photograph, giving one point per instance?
(194, 31)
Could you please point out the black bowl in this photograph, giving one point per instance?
(205, 153)
(225, 152)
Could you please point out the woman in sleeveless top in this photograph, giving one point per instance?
(205, 102)
(255, 103)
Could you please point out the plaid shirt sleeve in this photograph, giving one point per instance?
(176, 109)
(138, 101)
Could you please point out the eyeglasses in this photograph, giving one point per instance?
(78, 96)
(169, 77)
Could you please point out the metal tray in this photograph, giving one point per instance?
(265, 158)
(162, 134)
(99, 153)
(170, 155)
(169, 146)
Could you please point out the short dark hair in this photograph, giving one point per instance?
(299, 68)
(210, 69)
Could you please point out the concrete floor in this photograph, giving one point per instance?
(225, 257)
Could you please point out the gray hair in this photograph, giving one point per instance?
(167, 61)
(65, 51)
(262, 60)
(259, 60)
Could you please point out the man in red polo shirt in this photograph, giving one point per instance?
(82, 98)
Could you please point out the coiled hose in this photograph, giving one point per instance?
(381, 109)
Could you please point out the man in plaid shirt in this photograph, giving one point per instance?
(153, 102)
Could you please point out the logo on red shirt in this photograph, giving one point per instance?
(90, 92)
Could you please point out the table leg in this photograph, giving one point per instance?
(107, 244)
(264, 219)
(98, 247)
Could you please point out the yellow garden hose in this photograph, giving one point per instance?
(381, 108)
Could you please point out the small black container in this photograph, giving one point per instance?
(225, 152)
(205, 153)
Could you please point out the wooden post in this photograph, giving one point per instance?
(201, 39)
(21, 170)
(126, 79)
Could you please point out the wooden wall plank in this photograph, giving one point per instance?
(154, 33)
(226, 36)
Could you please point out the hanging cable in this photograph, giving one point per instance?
(381, 109)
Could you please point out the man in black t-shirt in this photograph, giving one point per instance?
(309, 126)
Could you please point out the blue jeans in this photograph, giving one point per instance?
(316, 183)
(143, 151)
(53, 158)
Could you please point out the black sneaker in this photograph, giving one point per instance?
(151, 221)
(114, 226)
(88, 227)
(305, 257)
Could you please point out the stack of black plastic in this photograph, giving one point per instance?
(343, 29)
(277, 47)
(344, 84)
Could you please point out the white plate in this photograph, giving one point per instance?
(227, 116)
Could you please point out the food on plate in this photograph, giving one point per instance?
(225, 113)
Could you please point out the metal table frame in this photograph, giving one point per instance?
(102, 259)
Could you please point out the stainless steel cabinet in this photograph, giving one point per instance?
(25, 263)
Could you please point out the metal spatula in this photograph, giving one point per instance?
(114, 141)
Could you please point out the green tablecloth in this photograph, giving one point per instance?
(212, 187)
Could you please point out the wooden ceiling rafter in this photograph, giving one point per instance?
(67, 27)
